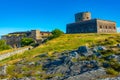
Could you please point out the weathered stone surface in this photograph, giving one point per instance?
(111, 57)
(84, 24)
(75, 69)
(84, 51)
(73, 54)
(65, 66)
(24, 78)
(114, 78)
(31, 63)
(99, 48)
(118, 45)
(90, 75)
(14, 39)
(3, 70)
(18, 51)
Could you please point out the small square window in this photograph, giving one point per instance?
(100, 26)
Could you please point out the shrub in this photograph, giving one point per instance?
(3, 45)
(56, 33)
(27, 41)
(115, 65)
(111, 71)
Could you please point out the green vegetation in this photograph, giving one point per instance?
(3, 45)
(27, 41)
(56, 33)
(111, 71)
(65, 42)
(115, 65)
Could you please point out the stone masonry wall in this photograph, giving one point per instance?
(106, 26)
(9, 54)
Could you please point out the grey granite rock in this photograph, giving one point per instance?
(84, 51)
(90, 75)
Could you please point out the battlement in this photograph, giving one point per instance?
(82, 16)
(14, 39)
(84, 24)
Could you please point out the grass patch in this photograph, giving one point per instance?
(67, 42)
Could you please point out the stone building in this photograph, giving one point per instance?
(84, 24)
(14, 39)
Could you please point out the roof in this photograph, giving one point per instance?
(82, 12)
(105, 20)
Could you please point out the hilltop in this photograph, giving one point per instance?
(33, 63)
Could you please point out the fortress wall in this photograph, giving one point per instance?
(106, 26)
(82, 27)
(83, 16)
(9, 54)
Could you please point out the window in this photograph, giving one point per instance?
(106, 27)
(87, 17)
(114, 27)
(42, 34)
(100, 26)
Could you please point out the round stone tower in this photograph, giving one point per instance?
(83, 16)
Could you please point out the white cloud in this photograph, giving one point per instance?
(118, 29)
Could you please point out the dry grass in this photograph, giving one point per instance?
(65, 42)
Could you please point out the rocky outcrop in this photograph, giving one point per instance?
(77, 64)
(90, 75)
(3, 70)
(114, 78)
(84, 51)
(65, 66)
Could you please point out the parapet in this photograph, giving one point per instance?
(82, 16)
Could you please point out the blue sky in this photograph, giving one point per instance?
(46, 15)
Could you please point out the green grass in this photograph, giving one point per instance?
(57, 45)
(68, 42)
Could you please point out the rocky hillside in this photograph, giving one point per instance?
(69, 57)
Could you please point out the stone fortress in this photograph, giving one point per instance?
(84, 24)
(14, 39)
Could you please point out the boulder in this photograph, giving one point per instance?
(84, 51)
(106, 65)
(73, 54)
(118, 45)
(90, 75)
(75, 69)
(53, 63)
(89, 65)
(111, 57)
(31, 63)
(99, 48)
(97, 54)
(3, 70)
